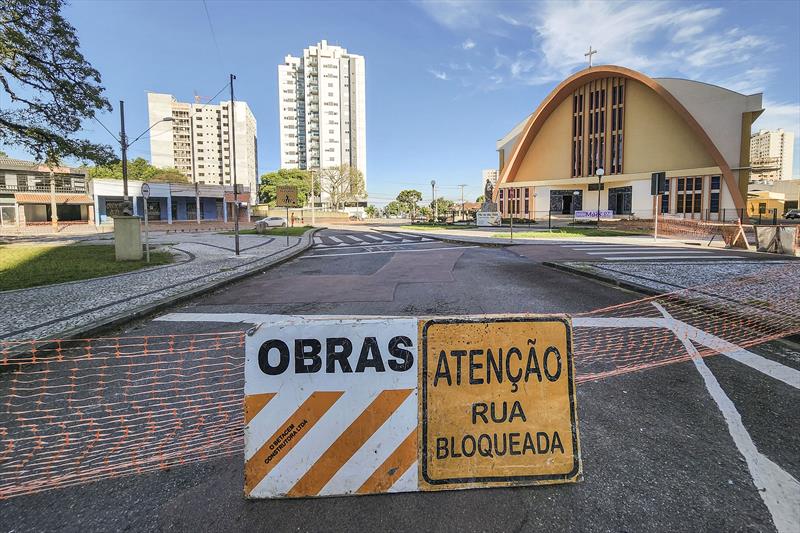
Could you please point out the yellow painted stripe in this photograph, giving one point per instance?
(288, 435)
(349, 442)
(393, 467)
(254, 403)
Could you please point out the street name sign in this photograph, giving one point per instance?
(286, 196)
(338, 406)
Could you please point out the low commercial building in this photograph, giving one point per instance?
(766, 195)
(169, 202)
(630, 125)
(30, 193)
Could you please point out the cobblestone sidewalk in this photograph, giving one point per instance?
(664, 277)
(201, 260)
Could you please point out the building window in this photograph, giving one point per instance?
(713, 204)
(527, 200)
(689, 197)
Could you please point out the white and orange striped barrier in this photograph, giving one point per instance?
(362, 406)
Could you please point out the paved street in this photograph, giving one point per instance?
(682, 446)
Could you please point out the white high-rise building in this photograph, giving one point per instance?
(771, 155)
(197, 141)
(322, 109)
(489, 175)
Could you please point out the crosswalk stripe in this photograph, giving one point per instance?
(335, 239)
(318, 240)
(373, 237)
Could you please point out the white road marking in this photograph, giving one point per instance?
(254, 318)
(768, 367)
(671, 257)
(390, 251)
(610, 248)
(777, 488)
(375, 237)
(335, 239)
(318, 240)
(624, 252)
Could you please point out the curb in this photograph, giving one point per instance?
(641, 289)
(149, 309)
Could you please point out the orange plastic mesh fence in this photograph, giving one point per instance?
(74, 411)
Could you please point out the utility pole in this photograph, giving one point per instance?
(233, 171)
(313, 202)
(123, 141)
(462, 201)
(433, 195)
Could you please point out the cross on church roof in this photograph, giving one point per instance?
(589, 54)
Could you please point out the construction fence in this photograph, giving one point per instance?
(75, 411)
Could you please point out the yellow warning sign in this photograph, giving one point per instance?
(497, 403)
(286, 196)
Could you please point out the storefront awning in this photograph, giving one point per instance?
(44, 198)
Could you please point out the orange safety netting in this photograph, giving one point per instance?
(74, 411)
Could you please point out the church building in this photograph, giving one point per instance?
(630, 126)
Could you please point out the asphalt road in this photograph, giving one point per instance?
(658, 450)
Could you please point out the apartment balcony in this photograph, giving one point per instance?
(70, 184)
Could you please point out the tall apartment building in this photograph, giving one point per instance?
(489, 174)
(198, 143)
(771, 155)
(322, 109)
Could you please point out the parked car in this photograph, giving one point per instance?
(792, 213)
(273, 222)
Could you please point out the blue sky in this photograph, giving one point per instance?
(444, 79)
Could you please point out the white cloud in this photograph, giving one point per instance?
(438, 74)
(660, 38)
(751, 81)
(469, 44)
(455, 14)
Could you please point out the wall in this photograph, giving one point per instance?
(551, 150)
(656, 138)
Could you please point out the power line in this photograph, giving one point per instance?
(213, 35)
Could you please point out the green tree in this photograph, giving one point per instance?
(480, 199)
(393, 208)
(287, 176)
(342, 184)
(408, 199)
(52, 88)
(371, 211)
(442, 205)
(3, 154)
(138, 169)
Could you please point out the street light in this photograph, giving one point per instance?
(599, 173)
(124, 145)
(433, 193)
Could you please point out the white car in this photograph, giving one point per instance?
(279, 222)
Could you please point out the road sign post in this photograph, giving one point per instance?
(658, 186)
(286, 196)
(146, 196)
